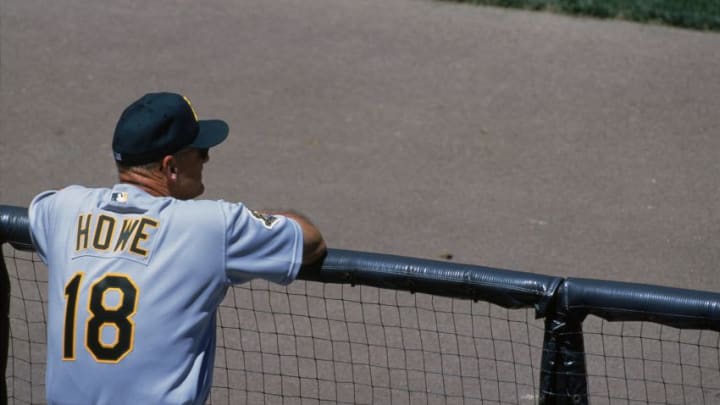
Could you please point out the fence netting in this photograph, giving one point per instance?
(315, 343)
(648, 363)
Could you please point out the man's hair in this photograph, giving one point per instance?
(143, 168)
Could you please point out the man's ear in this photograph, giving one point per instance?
(169, 167)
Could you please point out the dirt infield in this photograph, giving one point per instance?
(528, 141)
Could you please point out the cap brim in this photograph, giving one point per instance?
(211, 133)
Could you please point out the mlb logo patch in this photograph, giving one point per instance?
(119, 197)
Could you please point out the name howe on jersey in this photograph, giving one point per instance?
(107, 234)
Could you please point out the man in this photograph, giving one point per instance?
(136, 272)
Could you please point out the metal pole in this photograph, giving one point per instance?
(563, 374)
(4, 326)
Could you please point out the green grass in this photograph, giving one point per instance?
(692, 14)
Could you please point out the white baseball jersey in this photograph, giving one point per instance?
(134, 284)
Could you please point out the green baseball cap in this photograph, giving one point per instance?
(161, 124)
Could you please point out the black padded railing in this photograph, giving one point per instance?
(566, 304)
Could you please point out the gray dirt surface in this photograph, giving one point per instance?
(529, 141)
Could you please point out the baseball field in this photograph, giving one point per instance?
(517, 139)
(524, 140)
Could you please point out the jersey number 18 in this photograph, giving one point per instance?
(102, 315)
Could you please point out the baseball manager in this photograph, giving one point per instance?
(137, 271)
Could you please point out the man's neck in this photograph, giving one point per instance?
(151, 183)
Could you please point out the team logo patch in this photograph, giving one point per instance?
(119, 197)
(267, 220)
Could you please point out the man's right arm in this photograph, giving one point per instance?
(314, 248)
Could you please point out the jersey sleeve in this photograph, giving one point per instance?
(261, 246)
(40, 216)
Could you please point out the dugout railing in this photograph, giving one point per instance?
(601, 341)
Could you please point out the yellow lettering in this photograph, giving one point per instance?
(83, 231)
(103, 235)
(128, 228)
(142, 235)
(103, 232)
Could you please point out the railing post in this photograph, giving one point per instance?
(4, 326)
(563, 374)
(14, 229)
